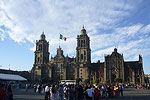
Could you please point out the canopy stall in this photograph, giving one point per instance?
(11, 77)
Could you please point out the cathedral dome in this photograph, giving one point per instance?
(83, 31)
(42, 36)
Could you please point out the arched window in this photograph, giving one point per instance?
(81, 56)
(38, 59)
(78, 55)
(84, 43)
(40, 47)
(81, 43)
(37, 47)
(78, 43)
(84, 55)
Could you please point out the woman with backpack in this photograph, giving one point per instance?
(96, 94)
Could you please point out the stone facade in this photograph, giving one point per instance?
(128, 71)
(63, 67)
(114, 66)
(41, 68)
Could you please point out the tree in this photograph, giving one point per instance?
(45, 80)
(118, 80)
(86, 81)
(96, 81)
(107, 81)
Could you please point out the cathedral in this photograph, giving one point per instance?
(80, 67)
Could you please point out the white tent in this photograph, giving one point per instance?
(11, 77)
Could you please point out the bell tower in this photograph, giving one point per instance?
(42, 51)
(83, 51)
(40, 68)
(83, 56)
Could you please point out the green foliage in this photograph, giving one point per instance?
(96, 81)
(118, 80)
(107, 81)
(44, 80)
(86, 81)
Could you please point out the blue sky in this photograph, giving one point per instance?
(124, 24)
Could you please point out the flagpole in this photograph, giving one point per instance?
(59, 40)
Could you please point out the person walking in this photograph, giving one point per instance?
(27, 86)
(54, 92)
(47, 92)
(121, 90)
(71, 92)
(90, 93)
(109, 91)
(66, 92)
(80, 92)
(96, 94)
(34, 88)
(61, 92)
(39, 89)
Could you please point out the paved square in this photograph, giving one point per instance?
(129, 94)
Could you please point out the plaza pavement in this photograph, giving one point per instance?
(129, 94)
(22, 94)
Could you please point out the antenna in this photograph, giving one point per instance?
(83, 26)
(59, 40)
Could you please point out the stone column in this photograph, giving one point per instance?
(133, 79)
(105, 72)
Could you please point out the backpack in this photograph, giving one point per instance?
(96, 94)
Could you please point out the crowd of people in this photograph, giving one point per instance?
(138, 86)
(5, 92)
(72, 91)
(79, 92)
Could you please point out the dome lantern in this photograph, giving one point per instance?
(42, 37)
(83, 31)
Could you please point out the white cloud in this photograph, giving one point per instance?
(2, 34)
(129, 40)
(100, 54)
(146, 29)
(26, 20)
(34, 48)
(57, 16)
(129, 30)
